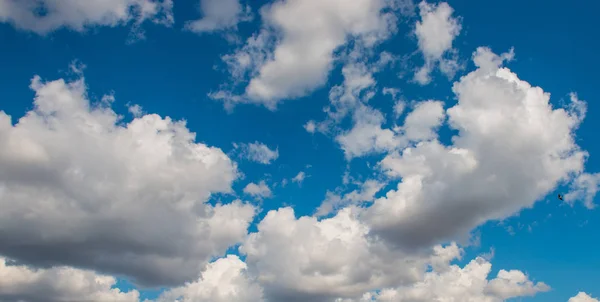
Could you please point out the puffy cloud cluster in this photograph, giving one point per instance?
(290, 58)
(45, 16)
(435, 32)
(512, 149)
(21, 283)
(260, 190)
(80, 187)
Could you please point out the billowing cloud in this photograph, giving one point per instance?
(224, 280)
(80, 187)
(435, 32)
(219, 15)
(257, 152)
(582, 297)
(57, 284)
(260, 190)
(470, 283)
(45, 16)
(292, 258)
(512, 149)
(290, 58)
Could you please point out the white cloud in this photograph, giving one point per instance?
(302, 54)
(512, 149)
(21, 283)
(435, 32)
(219, 15)
(310, 126)
(260, 190)
(224, 280)
(299, 178)
(423, 121)
(585, 188)
(334, 201)
(453, 283)
(90, 191)
(582, 297)
(258, 152)
(79, 15)
(292, 258)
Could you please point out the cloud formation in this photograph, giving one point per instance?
(219, 15)
(45, 16)
(87, 190)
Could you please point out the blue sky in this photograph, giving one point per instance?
(259, 133)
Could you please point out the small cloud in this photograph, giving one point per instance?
(257, 152)
(299, 178)
(310, 126)
(260, 190)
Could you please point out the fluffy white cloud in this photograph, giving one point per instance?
(422, 122)
(435, 32)
(582, 297)
(302, 54)
(219, 15)
(87, 190)
(512, 149)
(260, 190)
(468, 284)
(224, 280)
(21, 283)
(45, 16)
(257, 152)
(292, 258)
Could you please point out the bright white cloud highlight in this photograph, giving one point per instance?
(224, 280)
(512, 149)
(79, 15)
(435, 32)
(90, 191)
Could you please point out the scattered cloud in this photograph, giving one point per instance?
(45, 16)
(219, 15)
(299, 178)
(290, 58)
(435, 32)
(257, 152)
(260, 190)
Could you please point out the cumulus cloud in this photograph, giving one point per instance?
(435, 32)
(470, 283)
(45, 16)
(582, 297)
(87, 190)
(260, 190)
(224, 280)
(292, 258)
(512, 149)
(291, 58)
(219, 15)
(257, 152)
(57, 284)
(299, 178)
